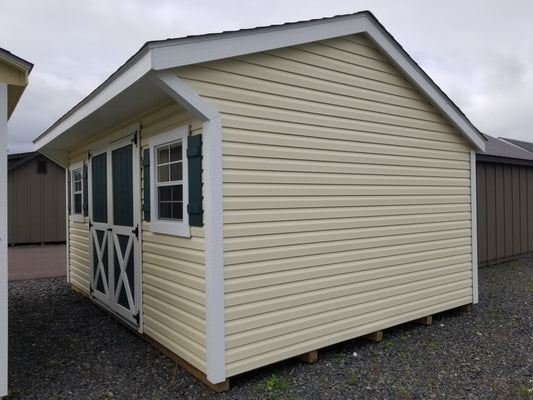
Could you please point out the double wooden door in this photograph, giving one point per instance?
(114, 212)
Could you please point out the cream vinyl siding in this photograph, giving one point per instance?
(174, 267)
(346, 199)
(79, 260)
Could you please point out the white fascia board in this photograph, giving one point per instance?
(403, 61)
(473, 211)
(116, 84)
(193, 50)
(213, 228)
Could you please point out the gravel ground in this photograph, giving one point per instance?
(62, 346)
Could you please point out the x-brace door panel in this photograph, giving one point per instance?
(114, 216)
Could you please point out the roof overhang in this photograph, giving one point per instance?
(14, 71)
(132, 89)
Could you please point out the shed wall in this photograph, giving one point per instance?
(172, 267)
(36, 203)
(346, 199)
(505, 217)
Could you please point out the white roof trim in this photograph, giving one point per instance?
(167, 54)
(117, 83)
(187, 51)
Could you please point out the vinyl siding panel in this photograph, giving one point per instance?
(79, 259)
(346, 199)
(174, 267)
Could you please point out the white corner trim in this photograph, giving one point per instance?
(67, 220)
(214, 252)
(473, 210)
(3, 241)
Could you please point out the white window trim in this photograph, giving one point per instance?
(73, 216)
(176, 228)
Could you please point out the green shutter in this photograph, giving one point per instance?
(85, 192)
(194, 156)
(146, 184)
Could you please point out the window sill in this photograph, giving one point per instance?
(170, 228)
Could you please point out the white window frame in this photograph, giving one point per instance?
(76, 217)
(169, 227)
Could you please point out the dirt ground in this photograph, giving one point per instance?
(37, 262)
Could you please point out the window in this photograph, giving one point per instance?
(169, 183)
(169, 192)
(76, 192)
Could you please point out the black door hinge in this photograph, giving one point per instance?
(136, 232)
(134, 139)
(137, 317)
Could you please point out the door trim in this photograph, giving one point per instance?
(124, 137)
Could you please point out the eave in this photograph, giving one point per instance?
(131, 89)
(14, 71)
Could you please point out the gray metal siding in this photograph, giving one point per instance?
(505, 220)
(36, 204)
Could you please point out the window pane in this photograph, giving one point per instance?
(177, 210)
(175, 151)
(176, 172)
(76, 174)
(77, 203)
(162, 173)
(165, 211)
(177, 192)
(77, 186)
(165, 193)
(171, 202)
(162, 155)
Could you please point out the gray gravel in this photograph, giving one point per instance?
(63, 347)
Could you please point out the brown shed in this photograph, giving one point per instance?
(36, 200)
(505, 216)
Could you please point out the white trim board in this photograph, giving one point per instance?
(473, 210)
(3, 241)
(214, 252)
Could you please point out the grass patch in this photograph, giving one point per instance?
(339, 357)
(352, 380)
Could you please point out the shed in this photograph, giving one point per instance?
(14, 73)
(36, 200)
(244, 197)
(504, 190)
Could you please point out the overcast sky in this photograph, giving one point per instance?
(480, 52)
